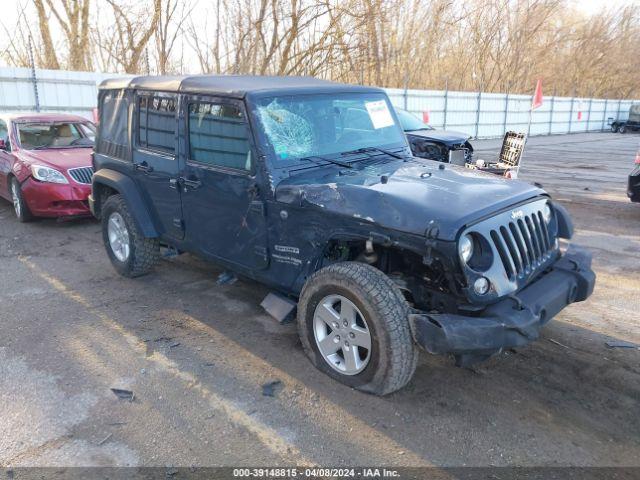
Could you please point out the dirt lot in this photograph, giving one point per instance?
(196, 354)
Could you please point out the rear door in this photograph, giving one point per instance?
(224, 212)
(155, 158)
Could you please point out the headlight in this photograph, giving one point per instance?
(546, 213)
(465, 248)
(47, 174)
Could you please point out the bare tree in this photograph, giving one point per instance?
(73, 18)
(50, 58)
(126, 40)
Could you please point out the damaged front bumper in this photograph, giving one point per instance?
(514, 321)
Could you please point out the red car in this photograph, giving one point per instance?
(45, 164)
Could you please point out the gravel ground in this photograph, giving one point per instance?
(196, 355)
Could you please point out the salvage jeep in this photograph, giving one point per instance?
(380, 252)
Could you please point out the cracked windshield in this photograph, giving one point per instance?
(303, 126)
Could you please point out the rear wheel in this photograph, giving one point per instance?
(353, 324)
(20, 207)
(130, 252)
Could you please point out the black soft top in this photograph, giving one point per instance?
(237, 86)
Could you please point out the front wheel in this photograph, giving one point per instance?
(20, 207)
(130, 252)
(614, 128)
(622, 129)
(353, 324)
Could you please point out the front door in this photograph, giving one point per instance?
(155, 159)
(224, 212)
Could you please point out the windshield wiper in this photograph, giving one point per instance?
(312, 158)
(375, 149)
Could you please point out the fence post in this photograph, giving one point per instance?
(619, 105)
(553, 101)
(506, 112)
(589, 113)
(34, 79)
(406, 91)
(446, 102)
(478, 113)
(604, 114)
(571, 113)
(530, 117)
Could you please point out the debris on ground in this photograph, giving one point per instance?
(174, 345)
(269, 389)
(281, 308)
(123, 394)
(105, 439)
(621, 344)
(227, 278)
(163, 339)
(557, 342)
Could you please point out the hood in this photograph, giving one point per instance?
(60, 158)
(444, 136)
(406, 196)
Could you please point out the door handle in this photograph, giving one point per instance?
(143, 167)
(190, 183)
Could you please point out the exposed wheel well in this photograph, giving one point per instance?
(426, 287)
(101, 193)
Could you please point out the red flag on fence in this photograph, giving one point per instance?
(537, 96)
(579, 110)
(425, 116)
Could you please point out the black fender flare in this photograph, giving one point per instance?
(565, 224)
(125, 186)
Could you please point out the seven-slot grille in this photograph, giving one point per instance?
(523, 244)
(82, 175)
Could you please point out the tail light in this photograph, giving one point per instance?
(638, 157)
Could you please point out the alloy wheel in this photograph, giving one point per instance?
(118, 237)
(342, 334)
(15, 196)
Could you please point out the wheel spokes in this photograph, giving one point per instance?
(327, 314)
(330, 344)
(348, 313)
(360, 337)
(351, 358)
(342, 334)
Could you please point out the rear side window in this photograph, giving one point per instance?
(157, 122)
(113, 117)
(218, 135)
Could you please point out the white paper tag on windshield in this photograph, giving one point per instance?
(379, 114)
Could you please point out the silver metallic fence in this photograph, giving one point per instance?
(481, 115)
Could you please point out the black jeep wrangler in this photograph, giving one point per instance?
(383, 252)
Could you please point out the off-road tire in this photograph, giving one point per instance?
(622, 129)
(23, 214)
(144, 252)
(393, 355)
(614, 128)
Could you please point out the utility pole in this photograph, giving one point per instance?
(34, 79)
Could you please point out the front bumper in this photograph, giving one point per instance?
(633, 187)
(56, 199)
(515, 320)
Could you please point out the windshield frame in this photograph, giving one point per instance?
(267, 152)
(77, 123)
